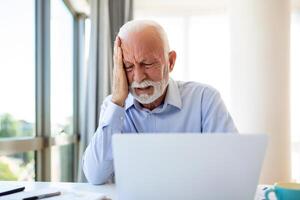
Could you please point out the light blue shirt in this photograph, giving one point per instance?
(188, 107)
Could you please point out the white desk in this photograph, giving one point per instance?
(108, 190)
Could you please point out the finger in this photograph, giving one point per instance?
(118, 40)
(116, 45)
(120, 57)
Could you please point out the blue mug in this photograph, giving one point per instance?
(284, 191)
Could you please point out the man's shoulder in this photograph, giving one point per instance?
(195, 88)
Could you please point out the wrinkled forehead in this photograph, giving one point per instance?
(142, 44)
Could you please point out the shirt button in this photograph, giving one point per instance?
(121, 118)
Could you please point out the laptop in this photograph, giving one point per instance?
(188, 166)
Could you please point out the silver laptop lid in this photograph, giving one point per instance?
(187, 166)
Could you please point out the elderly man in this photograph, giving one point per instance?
(146, 100)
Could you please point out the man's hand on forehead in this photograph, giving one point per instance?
(120, 84)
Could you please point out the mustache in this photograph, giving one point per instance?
(143, 84)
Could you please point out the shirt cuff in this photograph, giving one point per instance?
(114, 116)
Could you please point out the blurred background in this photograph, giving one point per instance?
(56, 68)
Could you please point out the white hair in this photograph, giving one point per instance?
(139, 25)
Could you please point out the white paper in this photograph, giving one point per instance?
(65, 194)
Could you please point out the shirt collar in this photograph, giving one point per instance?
(129, 101)
(172, 97)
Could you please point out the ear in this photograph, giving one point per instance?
(172, 59)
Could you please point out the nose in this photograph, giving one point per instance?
(139, 74)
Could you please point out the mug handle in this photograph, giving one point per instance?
(267, 192)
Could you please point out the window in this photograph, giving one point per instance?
(62, 162)
(295, 95)
(17, 68)
(17, 84)
(61, 68)
(62, 98)
(38, 76)
(19, 166)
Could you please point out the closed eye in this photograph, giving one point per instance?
(147, 65)
(128, 68)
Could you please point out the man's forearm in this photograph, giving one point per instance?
(97, 163)
(98, 159)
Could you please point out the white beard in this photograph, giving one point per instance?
(159, 88)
